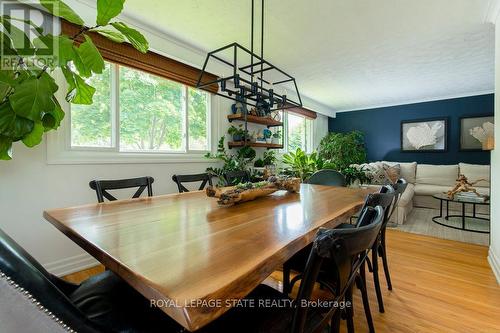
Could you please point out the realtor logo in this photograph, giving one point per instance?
(27, 34)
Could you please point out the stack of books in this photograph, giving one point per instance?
(470, 197)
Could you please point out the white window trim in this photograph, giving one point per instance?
(60, 151)
(309, 137)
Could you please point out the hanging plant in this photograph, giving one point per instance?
(28, 106)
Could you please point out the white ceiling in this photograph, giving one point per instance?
(349, 54)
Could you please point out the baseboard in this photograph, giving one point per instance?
(495, 264)
(70, 265)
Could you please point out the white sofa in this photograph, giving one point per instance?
(425, 180)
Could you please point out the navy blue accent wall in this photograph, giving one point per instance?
(382, 128)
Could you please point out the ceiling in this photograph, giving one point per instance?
(349, 54)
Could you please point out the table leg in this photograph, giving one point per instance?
(447, 209)
(473, 210)
(440, 208)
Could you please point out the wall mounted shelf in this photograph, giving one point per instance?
(269, 122)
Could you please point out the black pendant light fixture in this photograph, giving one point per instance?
(252, 79)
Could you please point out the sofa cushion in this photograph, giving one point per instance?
(408, 170)
(445, 175)
(429, 189)
(475, 172)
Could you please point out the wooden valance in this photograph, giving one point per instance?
(150, 62)
(302, 111)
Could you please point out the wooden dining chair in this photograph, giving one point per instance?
(101, 187)
(40, 302)
(342, 251)
(204, 178)
(327, 177)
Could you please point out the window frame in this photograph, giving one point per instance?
(116, 128)
(308, 136)
(61, 151)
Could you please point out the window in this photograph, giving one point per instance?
(134, 111)
(299, 133)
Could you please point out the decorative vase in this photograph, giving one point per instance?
(269, 140)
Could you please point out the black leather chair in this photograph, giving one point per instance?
(336, 260)
(103, 303)
(327, 177)
(204, 178)
(101, 187)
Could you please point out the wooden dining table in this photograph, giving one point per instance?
(195, 259)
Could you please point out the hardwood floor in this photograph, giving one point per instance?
(439, 286)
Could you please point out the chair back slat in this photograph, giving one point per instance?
(346, 250)
(399, 188)
(101, 187)
(204, 178)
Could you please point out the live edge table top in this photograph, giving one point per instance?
(184, 249)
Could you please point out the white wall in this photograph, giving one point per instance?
(494, 253)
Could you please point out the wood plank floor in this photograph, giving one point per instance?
(439, 286)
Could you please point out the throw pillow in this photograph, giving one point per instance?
(376, 172)
(393, 172)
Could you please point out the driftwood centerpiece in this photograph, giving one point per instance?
(231, 195)
(463, 185)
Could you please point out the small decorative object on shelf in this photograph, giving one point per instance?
(240, 107)
(276, 115)
(464, 186)
(231, 195)
(238, 133)
(268, 135)
(276, 137)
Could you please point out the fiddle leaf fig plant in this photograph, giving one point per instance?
(28, 104)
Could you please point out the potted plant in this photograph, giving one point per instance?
(259, 163)
(238, 133)
(268, 135)
(276, 137)
(269, 158)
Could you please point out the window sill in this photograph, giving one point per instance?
(107, 157)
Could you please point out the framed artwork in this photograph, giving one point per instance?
(424, 135)
(475, 131)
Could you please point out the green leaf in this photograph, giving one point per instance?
(52, 120)
(133, 36)
(84, 92)
(79, 92)
(107, 9)
(111, 35)
(35, 136)
(34, 96)
(90, 56)
(7, 117)
(18, 39)
(22, 126)
(60, 9)
(5, 148)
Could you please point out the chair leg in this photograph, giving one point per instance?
(385, 264)
(335, 322)
(349, 311)
(376, 281)
(286, 280)
(364, 296)
(369, 263)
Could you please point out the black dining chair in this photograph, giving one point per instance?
(204, 178)
(327, 177)
(235, 177)
(31, 297)
(399, 188)
(336, 260)
(101, 187)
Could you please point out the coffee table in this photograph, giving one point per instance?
(465, 219)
